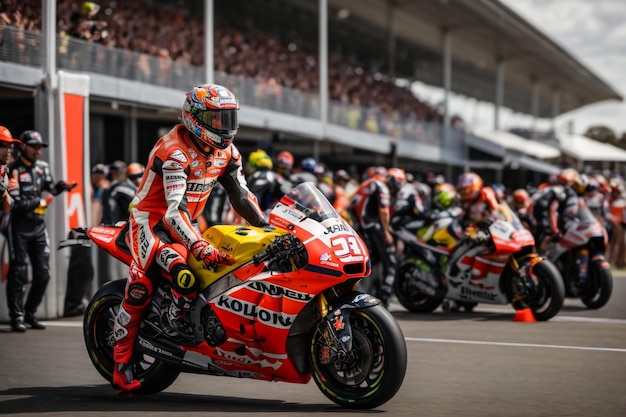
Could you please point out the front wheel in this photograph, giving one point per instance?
(549, 294)
(599, 284)
(372, 372)
(155, 375)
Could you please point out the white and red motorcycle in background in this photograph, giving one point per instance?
(579, 255)
(510, 271)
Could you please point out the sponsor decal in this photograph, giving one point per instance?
(143, 243)
(227, 247)
(166, 256)
(253, 311)
(338, 323)
(214, 171)
(172, 166)
(198, 187)
(180, 232)
(173, 187)
(337, 228)
(326, 259)
(195, 164)
(291, 213)
(103, 230)
(245, 359)
(197, 173)
(192, 153)
(170, 178)
(143, 342)
(178, 155)
(185, 279)
(123, 318)
(479, 294)
(220, 163)
(137, 291)
(276, 291)
(102, 238)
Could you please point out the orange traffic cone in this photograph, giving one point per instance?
(526, 315)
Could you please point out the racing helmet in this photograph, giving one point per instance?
(308, 164)
(520, 197)
(342, 175)
(135, 170)
(395, 179)
(468, 186)
(210, 114)
(444, 196)
(259, 159)
(284, 160)
(567, 176)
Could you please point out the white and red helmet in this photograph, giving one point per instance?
(210, 114)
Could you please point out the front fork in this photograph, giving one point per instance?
(524, 279)
(335, 325)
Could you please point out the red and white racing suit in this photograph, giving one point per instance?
(173, 192)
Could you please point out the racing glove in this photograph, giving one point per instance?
(61, 186)
(205, 252)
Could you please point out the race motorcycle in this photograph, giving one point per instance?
(579, 255)
(510, 271)
(285, 310)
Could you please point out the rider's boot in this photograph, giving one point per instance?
(137, 297)
(123, 378)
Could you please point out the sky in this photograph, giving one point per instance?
(594, 32)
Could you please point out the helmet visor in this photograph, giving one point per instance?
(218, 121)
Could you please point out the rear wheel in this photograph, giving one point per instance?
(372, 372)
(599, 284)
(411, 297)
(549, 294)
(155, 375)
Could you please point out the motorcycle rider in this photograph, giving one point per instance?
(521, 203)
(554, 207)
(370, 209)
(478, 202)
(183, 167)
(264, 183)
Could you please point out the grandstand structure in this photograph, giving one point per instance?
(95, 103)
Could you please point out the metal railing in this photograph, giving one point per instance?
(24, 47)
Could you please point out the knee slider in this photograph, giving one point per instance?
(138, 293)
(183, 279)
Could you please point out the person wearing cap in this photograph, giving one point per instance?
(6, 184)
(28, 236)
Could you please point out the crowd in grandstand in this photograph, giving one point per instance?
(368, 100)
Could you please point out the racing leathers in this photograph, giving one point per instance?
(370, 209)
(553, 208)
(173, 192)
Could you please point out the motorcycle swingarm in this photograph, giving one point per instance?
(336, 314)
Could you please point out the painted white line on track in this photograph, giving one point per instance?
(531, 345)
(588, 319)
(63, 323)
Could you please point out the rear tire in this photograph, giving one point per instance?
(155, 375)
(599, 284)
(376, 366)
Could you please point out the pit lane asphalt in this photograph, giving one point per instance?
(474, 364)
